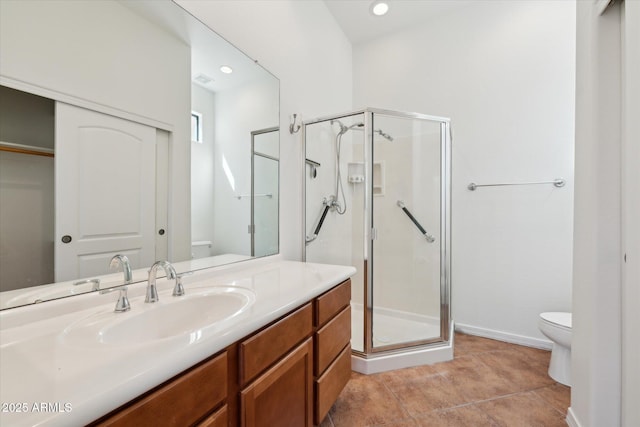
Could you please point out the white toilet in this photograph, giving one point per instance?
(557, 327)
(200, 249)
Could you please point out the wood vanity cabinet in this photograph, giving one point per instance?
(287, 374)
(218, 419)
(283, 395)
(181, 401)
(332, 349)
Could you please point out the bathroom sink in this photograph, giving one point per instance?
(170, 317)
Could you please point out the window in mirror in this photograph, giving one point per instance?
(196, 127)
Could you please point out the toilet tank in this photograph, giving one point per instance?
(200, 249)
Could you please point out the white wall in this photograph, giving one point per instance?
(606, 289)
(596, 290)
(300, 42)
(631, 213)
(504, 73)
(202, 167)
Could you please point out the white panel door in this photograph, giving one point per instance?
(105, 192)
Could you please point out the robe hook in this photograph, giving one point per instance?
(292, 127)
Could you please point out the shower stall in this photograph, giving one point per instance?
(377, 197)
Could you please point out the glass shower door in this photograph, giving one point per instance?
(407, 247)
(335, 203)
(265, 165)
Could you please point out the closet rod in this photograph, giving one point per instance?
(25, 149)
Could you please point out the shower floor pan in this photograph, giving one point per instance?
(392, 327)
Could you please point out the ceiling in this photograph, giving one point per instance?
(209, 50)
(360, 25)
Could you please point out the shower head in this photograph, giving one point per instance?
(344, 129)
(384, 135)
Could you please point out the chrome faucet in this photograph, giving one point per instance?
(152, 291)
(126, 267)
(95, 287)
(178, 290)
(122, 304)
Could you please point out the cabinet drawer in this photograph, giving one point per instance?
(330, 303)
(331, 383)
(263, 349)
(217, 419)
(331, 339)
(181, 402)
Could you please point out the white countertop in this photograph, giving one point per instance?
(78, 384)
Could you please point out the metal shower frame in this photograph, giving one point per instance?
(369, 231)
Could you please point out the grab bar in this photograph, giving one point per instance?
(240, 196)
(428, 236)
(314, 236)
(558, 182)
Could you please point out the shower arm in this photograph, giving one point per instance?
(427, 236)
(314, 236)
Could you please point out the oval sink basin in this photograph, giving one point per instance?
(170, 317)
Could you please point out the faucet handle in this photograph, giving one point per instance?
(178, 289)
(96, 283)
(122, 304)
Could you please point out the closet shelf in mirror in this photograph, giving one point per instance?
(26, 149)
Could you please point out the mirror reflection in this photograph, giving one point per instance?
(157, 141)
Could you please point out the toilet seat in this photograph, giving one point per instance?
(557, 319)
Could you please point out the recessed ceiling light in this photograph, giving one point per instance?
(379, 8)
(226, 69)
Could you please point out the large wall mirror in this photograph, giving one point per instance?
(128, 127)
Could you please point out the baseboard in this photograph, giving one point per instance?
(504, 336)
(571, 419)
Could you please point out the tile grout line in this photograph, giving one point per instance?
(395, 396)
(545, 401)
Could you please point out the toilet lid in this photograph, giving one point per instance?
(559, 318)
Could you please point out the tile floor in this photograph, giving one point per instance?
(489, 383)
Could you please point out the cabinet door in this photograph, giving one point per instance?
(217, 419)
(282, 396)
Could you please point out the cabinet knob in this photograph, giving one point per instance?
(66, 238)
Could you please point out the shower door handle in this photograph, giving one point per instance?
(427, 236)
